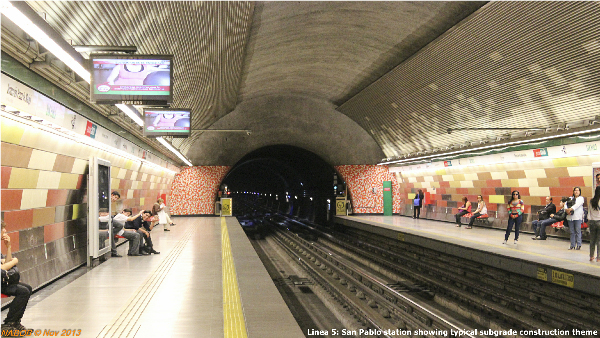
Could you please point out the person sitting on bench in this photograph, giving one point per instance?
(543, 214)
(559, 216)
(481, 210)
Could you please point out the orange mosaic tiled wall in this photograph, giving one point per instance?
(44, 202)
(534, 180)
(195, 189)
(365, 186)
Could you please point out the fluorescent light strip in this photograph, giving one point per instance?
(132, 115)
(35, 32)
(173, 150)
(72, 136)
(492, 146)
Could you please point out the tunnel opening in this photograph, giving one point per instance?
(284, 179)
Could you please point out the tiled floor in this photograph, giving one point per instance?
(175, 294)
(553, 251)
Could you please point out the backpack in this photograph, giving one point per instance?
(417, 201)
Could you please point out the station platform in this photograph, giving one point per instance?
(207, 281)
(548, 260)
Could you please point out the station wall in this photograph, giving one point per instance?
(534, 180)
(195, 189)
(44, 197)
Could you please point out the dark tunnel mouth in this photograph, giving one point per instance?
(278, 171)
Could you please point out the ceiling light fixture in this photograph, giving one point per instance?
(521, 142)
(23, 16)
(173, 150)
(131, 113)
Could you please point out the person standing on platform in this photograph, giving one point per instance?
(516, 208)
(594, 224)
(574, 209)
(418, 203)
(544, 214)
(463, 210)
(481, 210)
(162, 214)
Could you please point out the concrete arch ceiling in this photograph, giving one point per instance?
(298, 60)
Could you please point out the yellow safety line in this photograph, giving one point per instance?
(505, 246)
(233, 316)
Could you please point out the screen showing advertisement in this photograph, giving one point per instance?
(132, 79)
(167, 122)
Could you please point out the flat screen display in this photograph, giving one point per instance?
(131, 79)
(167, 122)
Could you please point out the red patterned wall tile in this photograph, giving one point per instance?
(194, 189)
(54, 231)
(494, 183)
(571, 182)
(18, 219)
(80, 181)
(5, 178)
(11, 199)
(444, 184)
(462, 191)
(561, 191)
(57, 197)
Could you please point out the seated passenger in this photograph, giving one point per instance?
(559, 216)
(463, 210)
(11, 286)
(544, 214)
(104, 218)
(131, 235)
(481, 210)
(141, 224)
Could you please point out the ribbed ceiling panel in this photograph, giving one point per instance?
(510, 64)
(207, 40)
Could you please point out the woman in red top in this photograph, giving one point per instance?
(465, 209)
(515, 207)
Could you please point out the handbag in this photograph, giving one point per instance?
(417, 202)
(10, 276)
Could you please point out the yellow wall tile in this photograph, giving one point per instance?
(79, 166)
(114, 171)
(433, 185)
(535, 173)
(426, 178)
(152, 186)
(43, 216)
(68, 181)
(471, 177)
(426, 185)
(48, 180)
(565, 162)
(33, 198)
(41, 160)
(412, 179)
(122, 173)
(528, 182)
(23, 178)
(114, 183)
(76, 210)
(588, 181)
(440, 172)
(128, 164)
(448, 178)
(510, 183)
(539, 191)
(455, 184)
(580, 171)
(144, 176)
(142, 201)
(11, 131)
(130, 193)
(496, 198)
(411, 196)
(466, 184)
(499, 175)
(459, 177)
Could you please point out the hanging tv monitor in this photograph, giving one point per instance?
(132, 79)
(167, 122)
